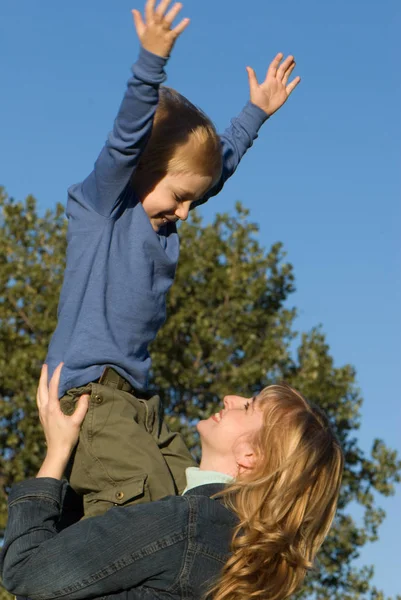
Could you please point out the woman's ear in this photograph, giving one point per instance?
(244, 456)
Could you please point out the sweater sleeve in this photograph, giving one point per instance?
(235, 141)
(102, 189)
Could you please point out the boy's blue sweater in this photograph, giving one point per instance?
(119, 270)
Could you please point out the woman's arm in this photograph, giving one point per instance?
(61, 431)
(98, 555)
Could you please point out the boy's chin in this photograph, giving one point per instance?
(156, 223)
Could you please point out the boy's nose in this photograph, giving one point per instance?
(182, 211)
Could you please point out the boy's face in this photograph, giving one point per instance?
(170, 198)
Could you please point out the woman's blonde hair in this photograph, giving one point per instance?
(286, 503)
(183, 140)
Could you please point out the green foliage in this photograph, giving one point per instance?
(227, 327)
(230, 329)
(32, 252)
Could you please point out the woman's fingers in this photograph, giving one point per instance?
(81, 408)
(42, 391)
(53, 385)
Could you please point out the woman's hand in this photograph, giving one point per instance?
(61, 431)
(156, 32)
(271, 94)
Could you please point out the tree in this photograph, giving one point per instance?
(32, 251)
(230, 328)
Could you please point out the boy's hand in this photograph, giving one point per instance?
(155, 32)
(274, 91)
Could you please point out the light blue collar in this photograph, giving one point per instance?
(197, 477)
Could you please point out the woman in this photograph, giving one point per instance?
(250, 522)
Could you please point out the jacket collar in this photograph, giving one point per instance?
(209, 489)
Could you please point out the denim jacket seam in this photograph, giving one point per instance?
(162, 544)
(114, 567)
(38, 496)
(190, 550)
(205, 550)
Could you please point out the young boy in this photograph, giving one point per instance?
(162, 158)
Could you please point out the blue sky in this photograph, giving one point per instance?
(323, 177)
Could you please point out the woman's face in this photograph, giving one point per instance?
(240, 418)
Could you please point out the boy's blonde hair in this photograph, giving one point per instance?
(285, 504)
(183, 140)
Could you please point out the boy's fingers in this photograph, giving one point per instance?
(53, 385)
(172, 13)
(284, 66)
(138, 22)
(149, 10)
(291, 86)
(272, 70)
(253, 80)
(42, 390)
(288, 73)
(161, 9)
(180, 27)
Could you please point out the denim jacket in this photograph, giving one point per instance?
(172, 548)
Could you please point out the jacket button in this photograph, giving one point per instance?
(120, 495)
(98, 399)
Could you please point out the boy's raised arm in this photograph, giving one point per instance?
(120, 155)
(265, 99)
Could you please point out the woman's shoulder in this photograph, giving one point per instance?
(199, 504)
(207, 502)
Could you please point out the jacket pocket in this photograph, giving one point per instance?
(132, 491)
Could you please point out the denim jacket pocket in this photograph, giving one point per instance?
(132, 491)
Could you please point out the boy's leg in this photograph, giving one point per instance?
(117, 461)
(170, 443)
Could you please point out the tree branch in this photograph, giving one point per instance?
(22, 314)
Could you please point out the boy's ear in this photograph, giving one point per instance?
(244, 456)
